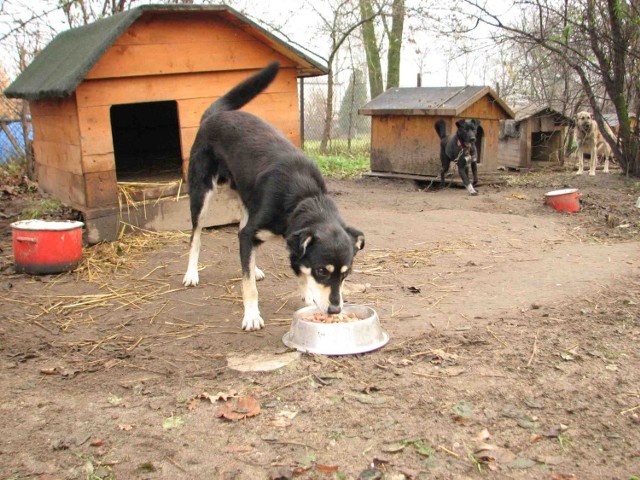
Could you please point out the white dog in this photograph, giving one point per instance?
(589, 140)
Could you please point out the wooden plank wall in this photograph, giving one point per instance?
(405, 144)
(191, 59)
(56, 146)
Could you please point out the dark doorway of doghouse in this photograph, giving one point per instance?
(543, 144)
(480, 144)
(146, 142)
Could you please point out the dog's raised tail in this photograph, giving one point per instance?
(246, 91)
(441, 128)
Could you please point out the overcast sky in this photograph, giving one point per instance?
(439, 60)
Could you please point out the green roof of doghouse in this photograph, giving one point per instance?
(67, 59)
(441, 101)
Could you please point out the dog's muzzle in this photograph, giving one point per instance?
(333, 309)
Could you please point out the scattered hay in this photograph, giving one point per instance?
(124, 254)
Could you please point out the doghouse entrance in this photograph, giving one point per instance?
(146, 142)
(544, 144)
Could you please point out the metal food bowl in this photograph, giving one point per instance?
(343, 338)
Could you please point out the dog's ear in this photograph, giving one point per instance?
(358, 237)
(299, 241)
(476, 122)
(460, 124)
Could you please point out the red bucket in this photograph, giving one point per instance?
(43, 247)
(567, 200)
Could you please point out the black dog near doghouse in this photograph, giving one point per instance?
(460, 147)
(283, 194)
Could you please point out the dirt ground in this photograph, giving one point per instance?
(514, 348)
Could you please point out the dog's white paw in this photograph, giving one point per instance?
(592, 174)
(579, 172)
(260, 275)
(252, 321)
(606, 170)
(191, 278)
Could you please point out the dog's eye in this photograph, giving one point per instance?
(322, 272)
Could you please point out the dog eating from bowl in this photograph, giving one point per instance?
(283, 194)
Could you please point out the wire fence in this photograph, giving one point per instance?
(12, 131)
(344, 132)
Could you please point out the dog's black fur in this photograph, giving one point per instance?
(283, 194)
(460, 147)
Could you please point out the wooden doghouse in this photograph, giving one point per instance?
(537, 134)
(116, 106)
(612, 121)
(404, 142)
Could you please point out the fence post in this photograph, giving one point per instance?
(302, 112)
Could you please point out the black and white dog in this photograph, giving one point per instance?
(460, 147)
(283, 194)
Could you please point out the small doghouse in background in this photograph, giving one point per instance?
(404, 142)
(612, 121)
(537, 134)
(116, 106)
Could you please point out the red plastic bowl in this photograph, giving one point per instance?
(566, 200)
(43, 247)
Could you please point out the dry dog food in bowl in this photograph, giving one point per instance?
(356, 329)
(332, 318)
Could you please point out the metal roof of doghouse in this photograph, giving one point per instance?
(444, 101)
(63, 64)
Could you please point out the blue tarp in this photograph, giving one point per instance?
(7, 150)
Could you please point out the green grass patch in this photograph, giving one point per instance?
(40, 208)
(342, 166)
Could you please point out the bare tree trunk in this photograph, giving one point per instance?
(395, 44)
(328, 119)
(374, 67)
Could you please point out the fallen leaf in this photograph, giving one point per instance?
(282, 473)
(326, 468)
(393, 447)
(519, 196)
(125, 427)
(147, 467)
(192, 404)
(281, 422)
(97, 443)
(484, 435)
(535, 438)
(413, 290)
(487, 453)
(462, 411)
(174, 421)
(563, 476)
(287, 414)
(555, 430)
(239, 408)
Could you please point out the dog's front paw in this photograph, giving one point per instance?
(579, 172)
(592, 174)
(260, 275)
(191, 278)
(252, 321)
(471, 190)
(606, 170)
